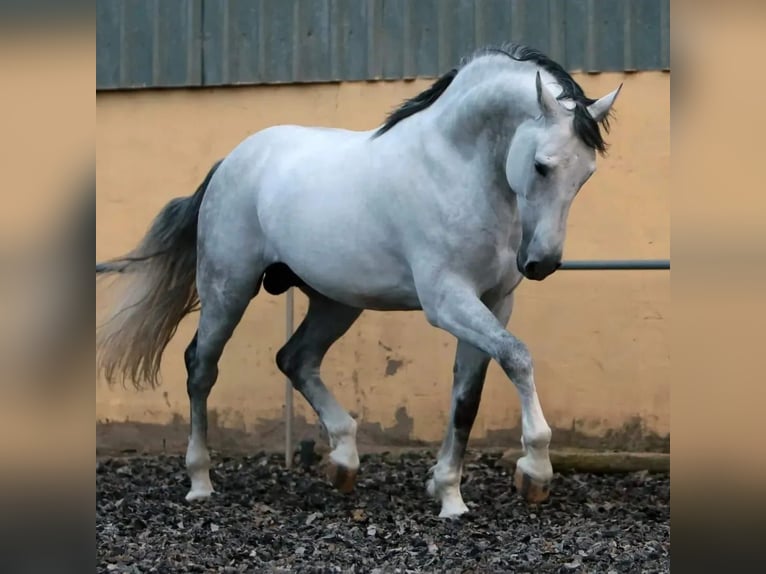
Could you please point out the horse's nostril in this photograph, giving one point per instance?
(530, 268)
(541, 269)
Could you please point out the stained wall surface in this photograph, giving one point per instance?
(600, 339)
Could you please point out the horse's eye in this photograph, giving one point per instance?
(542, 169)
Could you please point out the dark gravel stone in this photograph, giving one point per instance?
(264, 518)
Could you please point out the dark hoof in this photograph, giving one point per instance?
(341, 477)
(530, 489)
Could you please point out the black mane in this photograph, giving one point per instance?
(586, 128)
(419, 102)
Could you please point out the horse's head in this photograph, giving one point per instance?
(549, 160)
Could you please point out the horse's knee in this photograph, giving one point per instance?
(517, 362)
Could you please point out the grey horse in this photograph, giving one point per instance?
(461, 193)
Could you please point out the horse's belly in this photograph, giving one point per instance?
(380, 296)
(377, 283)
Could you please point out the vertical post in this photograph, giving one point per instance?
(288, 384)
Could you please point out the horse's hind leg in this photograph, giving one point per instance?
(300, 359)
(224, 295)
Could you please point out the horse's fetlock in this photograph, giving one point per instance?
(539, 439)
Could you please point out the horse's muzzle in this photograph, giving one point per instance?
(537, 270)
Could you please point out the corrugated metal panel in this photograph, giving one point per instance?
(177, 60)
(349, 39)
(457, 32)
(165, 43)
(313, 54)
(145, 43)
(108, 44)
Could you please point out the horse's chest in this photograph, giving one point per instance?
(490, 257)
(498, 265)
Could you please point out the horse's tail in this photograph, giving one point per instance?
(159, 289)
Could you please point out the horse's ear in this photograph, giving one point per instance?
(548, 104)
(600, 108)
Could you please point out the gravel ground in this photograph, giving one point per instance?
(267, 519)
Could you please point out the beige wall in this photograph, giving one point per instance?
(600, 339)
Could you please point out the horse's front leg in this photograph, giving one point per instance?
(451, 304)
(470, 370)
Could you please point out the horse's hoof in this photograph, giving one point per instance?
(196, 494)
(453, 509)
(532, 490)
(341, 477)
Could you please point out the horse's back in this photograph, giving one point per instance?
(292, 139)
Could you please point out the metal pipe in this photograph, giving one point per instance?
(288, 384)
(615, 264)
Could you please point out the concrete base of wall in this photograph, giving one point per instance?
(113, 441)
(130, 437)
(565, 461)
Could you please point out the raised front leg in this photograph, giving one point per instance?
(470, 370)
(454, 306)
(301, 358)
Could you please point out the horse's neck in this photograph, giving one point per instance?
(486, 105)
(479, 116)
